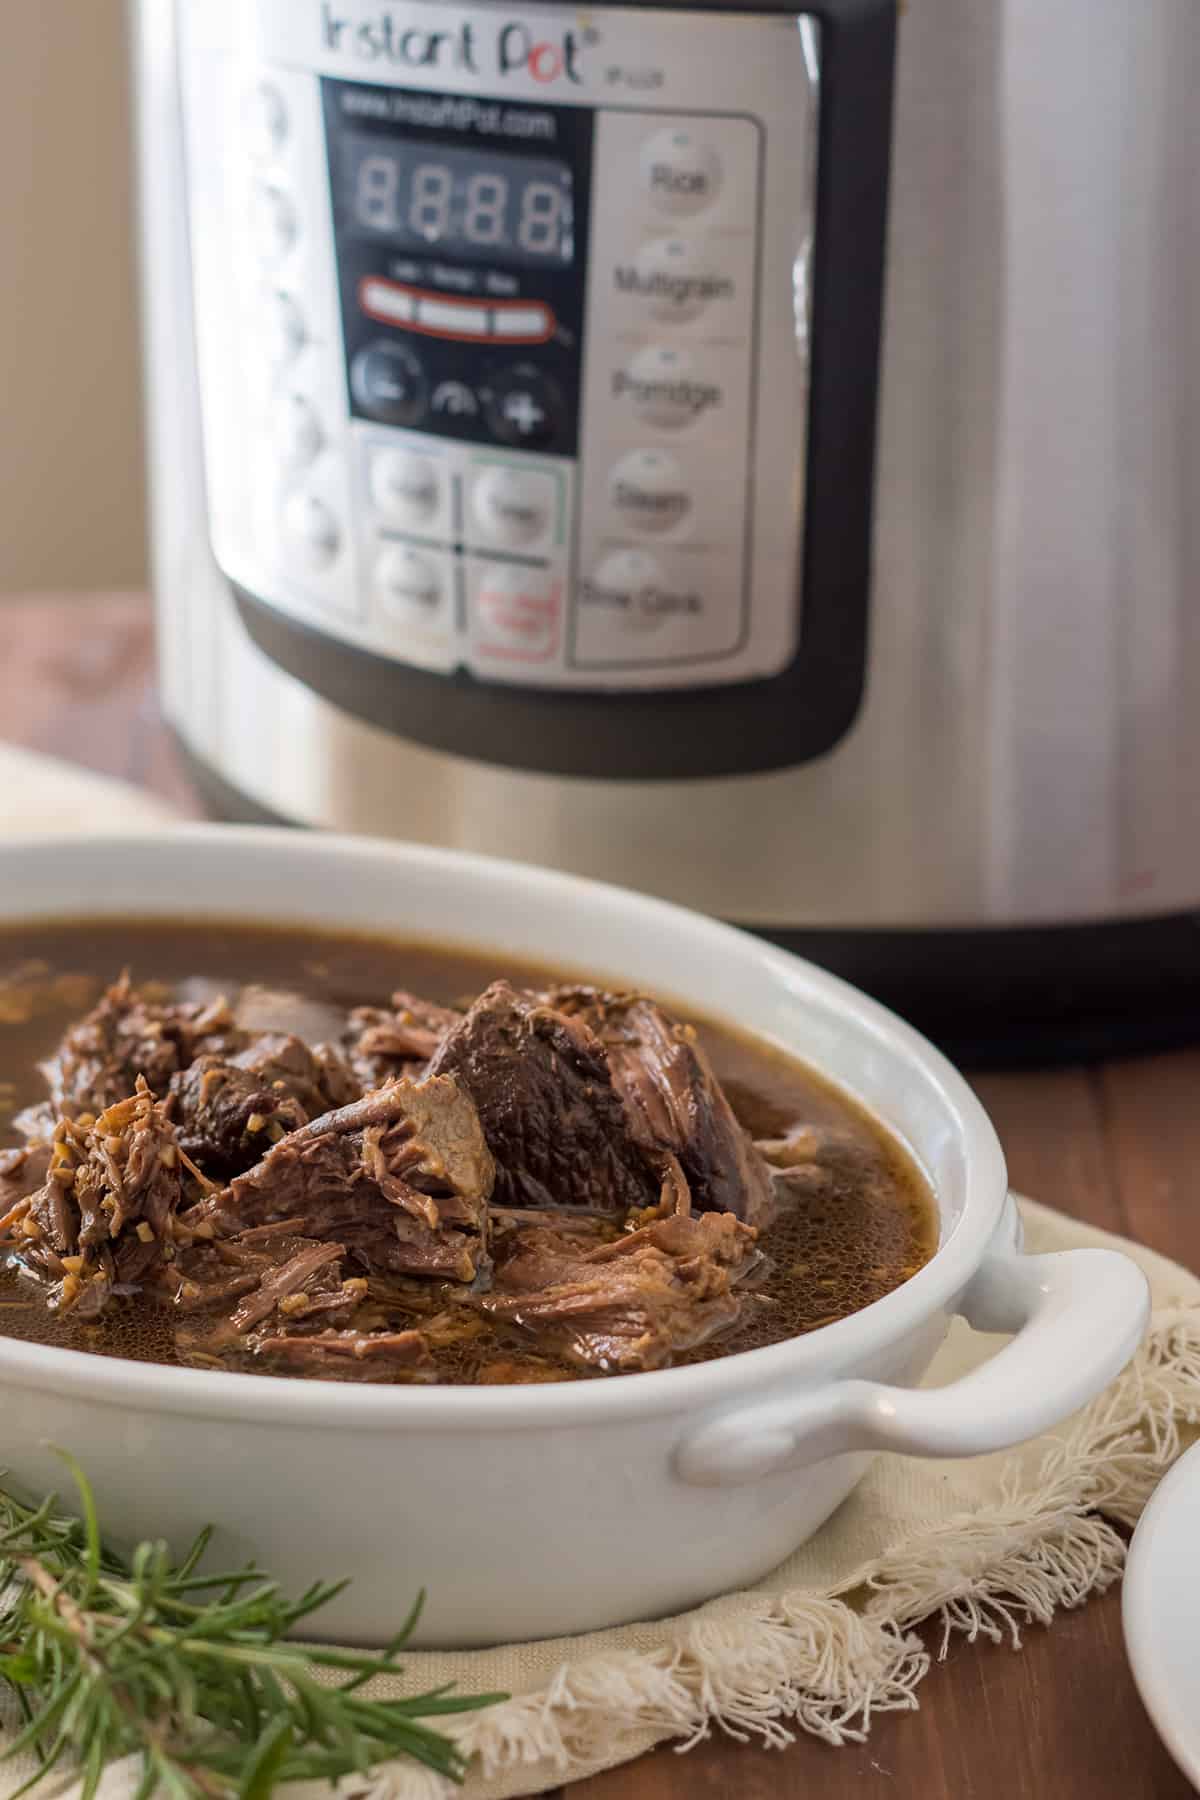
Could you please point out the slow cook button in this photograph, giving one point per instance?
(512, 506)
(682, 173)
(310, 530)
(662, 388)
(631, 588)
(405, 487)
(515, 612)
(409, 586)
(673, 276)
(649, 492)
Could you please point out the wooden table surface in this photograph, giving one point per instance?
(1117, 1144)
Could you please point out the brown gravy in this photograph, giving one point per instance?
(866, 1224)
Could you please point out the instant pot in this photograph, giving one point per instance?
(742, 453)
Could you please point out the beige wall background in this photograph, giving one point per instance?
(71, 501)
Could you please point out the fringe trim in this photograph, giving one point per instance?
(826, 1663)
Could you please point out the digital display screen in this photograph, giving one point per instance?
(465, 202)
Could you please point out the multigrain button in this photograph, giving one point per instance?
(673, 277)
(409, 585)
(405, 487)
(512, 506)
(649, 492)
(663, 387)
(310, 530)
(682, 173)
(276, 226)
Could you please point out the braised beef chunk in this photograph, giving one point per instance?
(103, 1217)
(629, 1304)
(387, 1042)
(126, 1035)
(550, 1113)
(673, 1101)
(401, 1178)
(228, 1112)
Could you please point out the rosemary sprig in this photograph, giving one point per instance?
(113, 1656)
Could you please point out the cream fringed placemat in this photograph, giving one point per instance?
(981, 1548)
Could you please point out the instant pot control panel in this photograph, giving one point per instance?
(504, 330)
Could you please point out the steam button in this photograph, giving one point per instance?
(524, 407)
(681, 172)
(388, 383)
(512, 506)
(405, 488)
(311, 530)
(649, 492)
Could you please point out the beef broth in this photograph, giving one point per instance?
(397, 1161)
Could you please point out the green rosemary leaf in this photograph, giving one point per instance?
(196, 1676)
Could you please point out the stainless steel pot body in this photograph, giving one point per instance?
(1028, 749)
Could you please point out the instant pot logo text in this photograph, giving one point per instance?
(513, 47)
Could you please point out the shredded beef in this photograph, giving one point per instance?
(126, 1036)
(346, 1355)
(21, 1171)
(673, 1101)
(383, 1043)
(401, 1178)
(628, 1304)
(103, 1217)
(228, 1112)
(551, 1116)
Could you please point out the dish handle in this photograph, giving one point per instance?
(1077, 1316)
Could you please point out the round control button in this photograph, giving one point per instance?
(625, 584)
(523, 407)
(266, 119)
(311, 530)
(284, 327)
(516, 610)
(681, 172)
(298, 432)
(276, 226)
(409, 585)
(662, 387)
(388, 382)
(512, 507)
(672, 273)
(404, 487)
(649, 492)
